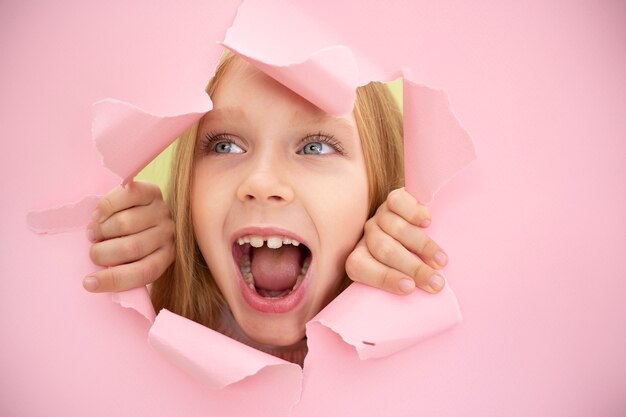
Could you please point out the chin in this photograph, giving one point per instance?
(269, 331)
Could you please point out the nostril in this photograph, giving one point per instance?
(264, 189)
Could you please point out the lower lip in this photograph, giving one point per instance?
(278, 305)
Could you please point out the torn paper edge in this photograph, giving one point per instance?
(353, 308)
(367, 347)
(137, 299)
(452, 136)
(64, 218)
(114, 130)
(335, 65)
(194, 347)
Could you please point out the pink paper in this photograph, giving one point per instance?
(129, 138)
(195, 348)
(215, 359)
(531, 227)
(379, 324)
(436, 146)
(64, 218)
(331, 69)
(137, 299)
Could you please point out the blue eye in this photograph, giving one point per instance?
(219, 143)
(226, 147)
(316, 148)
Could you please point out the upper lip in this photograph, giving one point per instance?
(267, 231)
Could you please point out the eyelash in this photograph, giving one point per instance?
(211, 138)
(324, 138)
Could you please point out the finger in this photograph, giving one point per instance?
(406, 206)
(121, 198)
(391, 253)
(128, 248)
(132, 275)
(128, 222)
(412, 238)
(362, 267)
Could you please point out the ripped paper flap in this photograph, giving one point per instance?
(436, 146)
(215, 359)
(128, 138)
(331, 69)
(137, 299)
(380, 324)
(324, 63)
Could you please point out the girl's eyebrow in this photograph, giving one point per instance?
(297, 119)
(332, 125)
(226, 112)
(322, 119)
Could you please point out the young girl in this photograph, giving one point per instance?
(269, 197)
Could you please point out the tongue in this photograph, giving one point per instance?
(275, 269)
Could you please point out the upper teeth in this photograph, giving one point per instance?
(273, 242)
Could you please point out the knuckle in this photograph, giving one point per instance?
(387, 280)
(123, 224)
(133, 249)
(394, 198)
(152, 191)
(370, 226)
(421, 213)
(353, 266)
(419, 271)
(430, 247)
(170, 230)
(395, 226)
(163, 210)
(422, 274)
(93, 232)
(152, 188)
(419, 240)
(381, 209)
(94, 254)
(106, 206)
(116, 279)
(384, 251)
(148, 272)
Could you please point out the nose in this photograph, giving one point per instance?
(266, 182)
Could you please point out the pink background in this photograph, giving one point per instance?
(535, 228)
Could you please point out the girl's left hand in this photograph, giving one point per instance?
(395, 254)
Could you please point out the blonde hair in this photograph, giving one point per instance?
(187, 288)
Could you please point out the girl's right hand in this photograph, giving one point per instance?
(133, 234)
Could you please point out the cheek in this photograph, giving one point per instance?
(342, 214)
(206, 211)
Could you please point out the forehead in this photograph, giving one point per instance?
(243, 89)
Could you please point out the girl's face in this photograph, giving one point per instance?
(279, 200)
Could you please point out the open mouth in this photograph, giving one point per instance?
(273, 268)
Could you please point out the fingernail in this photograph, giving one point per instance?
(441, 258)
(91, 234)
(90, 283)
(425, 223)
(436, 282)
(406, 285)
(96, 214)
